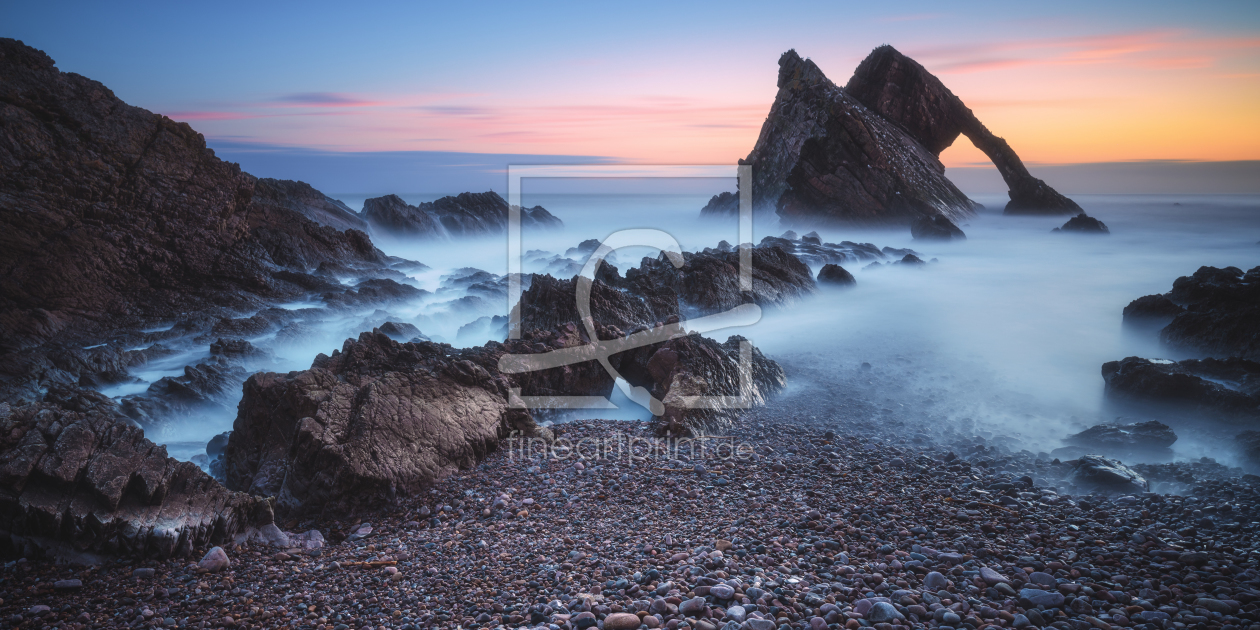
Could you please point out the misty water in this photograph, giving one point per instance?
(1005, 334)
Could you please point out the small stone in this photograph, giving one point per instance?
(215, 560)
(621, 621)
(991, 577)
(934, 581)
(882, 612)
(68, 585)
(143, 574)
(722, 591)
(38, 610)
(693, 606)
(737, 614)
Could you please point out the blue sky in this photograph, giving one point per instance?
(657, 82)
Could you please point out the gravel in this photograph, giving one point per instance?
(808, 532)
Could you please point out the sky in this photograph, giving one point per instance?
(455, 88)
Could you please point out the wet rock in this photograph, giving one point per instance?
(99, 484)
(1083, 224)
(1093, 471)
(823, 157)
(835, 275)
(1220, 315)
(1151, 437)
(621, 621)
(1151, 312)
(935, 228)
(1224, 389)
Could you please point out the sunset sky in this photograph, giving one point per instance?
(1066, 82)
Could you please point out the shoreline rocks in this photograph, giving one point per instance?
(1188, 386)
(85, 479)
(1083, 224)
(1214, 311)
(463, 215)
(935, 228)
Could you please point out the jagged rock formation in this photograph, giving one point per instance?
(935, 228)
(465, 214)
(303, 199)
(902, 91)
(656, 291)
(721, 205)
(114, 217)
(823, 156)
(1083, 224)
(812, 251)
(1215, 311)
(1149, 438)
(689, 366)
(83, 479)
(379, 420)
(1226, 389)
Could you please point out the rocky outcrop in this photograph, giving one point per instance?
(823, 156)
(685, 368)
(721, 205)
(115, 218)
(901, 91)
(1215, 312)
(1227, 390)
(83, 481)
(935, 228)
(303, 199)
(391, 215)
(1083, 224)
(1151, 312)
(379, 420)
(835, 275)
(465, 214)
(812, 251)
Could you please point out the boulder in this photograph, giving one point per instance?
(835, 275)
(935, 228)
(1083, 224)
(901, 91)
(824, 157)
(84, 479)
(1146, 438)
(379, 420)
(1226, 389)
(1107, 475)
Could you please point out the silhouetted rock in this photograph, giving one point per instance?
(465, 214)
(98, 484)
(824, 157)
(903, 92)
(1191, 386)
(708, 282)
(721, 205)
(1106, 475)
(399, 331)
(937, 228)
(1083, 224)
(835, 275)
(391, 215)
